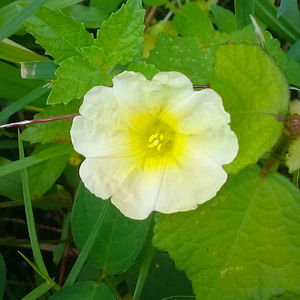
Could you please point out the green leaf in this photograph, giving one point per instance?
(155, 2)
(121, 37)
(143, 67)
(14, 52)
(2, 276)
(243, 244)
(224, 19)
(253, 94)
(107, 6)
(60, 35)
(163, 279)
(293, 156)
(283, 6)
(119, 240)
(243, 10)
(51, 131)
(192, 21)
(91, 17)
(60, 149)
(38, 70)
(76, 72)
(85, 290)
(183, 54)
(38, 291)
(294, 51)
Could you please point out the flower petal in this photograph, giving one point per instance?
(92, 139)
(103, 176)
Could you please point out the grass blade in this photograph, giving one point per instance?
(19, 104)
(243, 10)
(61, 149)
(283, 6)
(38, 291)
(29, 214)
(12, 24)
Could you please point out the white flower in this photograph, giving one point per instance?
(153, 145)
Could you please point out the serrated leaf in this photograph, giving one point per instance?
(121, 37)
(253, 94)
(60, 35)
(293, 156)
(143, 67)
(243, 244)
(120, 239)
(85, 290)
(192, 21)
(183, 54)
(75, 76)
(2, 276)
(51, 131)
(224, 19)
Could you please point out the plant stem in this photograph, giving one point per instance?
(87, 247)
(147, 259)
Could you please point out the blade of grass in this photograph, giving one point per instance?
(38, 291)
(61, 149)
(283, 6)
(12, 24)
(29, 214)
(243, 10)
(86, 248)
(19, 104)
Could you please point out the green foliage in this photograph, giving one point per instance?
(44, 70)
(148, 70)
(254, 94)
(224, 19)
(243, 10)
(119, 240)
(59, 34)
(76, 72)
(51, 131)
(243, 243)
(107, 6)
(191, 20)
(85, 290)
(293, 156)
(2, 276)
(120, 38)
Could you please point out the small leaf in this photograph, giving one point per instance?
(224, 18)
(192, 21)
(51, 131)
(253, 94)
(84, 290)
(75, 76)
(243, 243)
(60, 35)
(121, 37)
(119, 241)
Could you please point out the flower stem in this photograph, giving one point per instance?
(87, 247)
(147, 259)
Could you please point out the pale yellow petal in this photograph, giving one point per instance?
(91, 139)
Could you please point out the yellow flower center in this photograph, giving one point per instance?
(155, 139)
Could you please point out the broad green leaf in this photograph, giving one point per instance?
(243, 10)
(146, 69)
(243, 244)
(253, 94)
(107, 6)
(192, 21)
(91, 17)
(38, 70)
(183, 54)
(224, 19)
(2, 276)
(120, 239)
(60, 35)
(163, 279)
(121, 36)
(293, 156)
(51, 131)
(75, 76)
(85, 290)
(14, 52)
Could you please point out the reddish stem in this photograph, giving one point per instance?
(201, 86)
